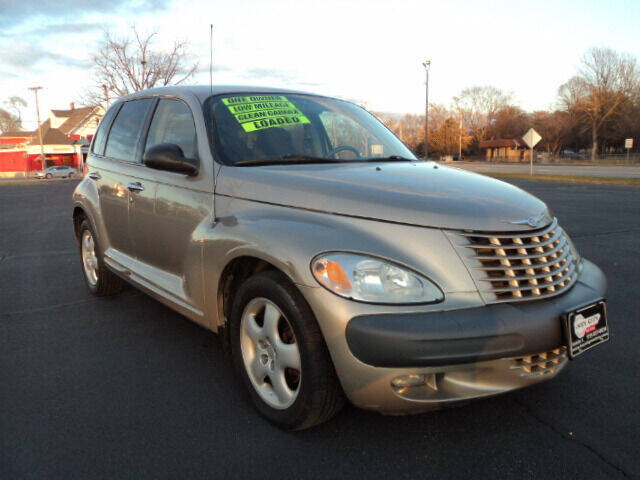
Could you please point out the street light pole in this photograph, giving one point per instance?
(426, 64)
(35, 90)
(460, 140)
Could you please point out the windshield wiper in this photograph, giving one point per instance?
(286, 160)
(390, 158)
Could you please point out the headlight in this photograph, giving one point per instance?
(372, 280)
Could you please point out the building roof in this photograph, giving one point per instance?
(51, 136)
(503, 142)
(16, 134)
(62, 113)
(75, 118)
(60, 136)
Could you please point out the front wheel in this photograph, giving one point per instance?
(280, 353)
(48, 175)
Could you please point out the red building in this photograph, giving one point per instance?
(66, 135)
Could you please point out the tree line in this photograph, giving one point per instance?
(595, 111)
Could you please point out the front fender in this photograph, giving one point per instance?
(289, 238)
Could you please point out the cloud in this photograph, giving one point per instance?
(19, 55)
(8, 74)
(280, 75)
(16, 12)
(64, 28)
(203, 67)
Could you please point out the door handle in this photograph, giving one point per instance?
(94, 176)
(135, 187)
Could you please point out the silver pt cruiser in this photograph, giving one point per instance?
(334, 263)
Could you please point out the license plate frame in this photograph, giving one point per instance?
(586, 327)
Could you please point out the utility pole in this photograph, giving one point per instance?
(460, 140)
(426, 64)
(35, 90)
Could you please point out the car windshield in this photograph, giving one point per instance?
(256, 129)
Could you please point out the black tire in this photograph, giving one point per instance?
(320, 396)
(48, 175)
(108, 283)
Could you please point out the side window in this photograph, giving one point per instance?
(100, 138)
(173, 123)
(126, 128)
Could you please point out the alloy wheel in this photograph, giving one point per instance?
(270, 353)
(89, 257)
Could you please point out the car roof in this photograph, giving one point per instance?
(202, 92)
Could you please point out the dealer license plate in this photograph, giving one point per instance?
(587, 327)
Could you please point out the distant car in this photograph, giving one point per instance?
(56, 172)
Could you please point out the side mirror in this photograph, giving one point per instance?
(169, 157)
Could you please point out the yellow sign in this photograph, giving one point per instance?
(257, 112)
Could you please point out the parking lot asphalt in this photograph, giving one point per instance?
(123, 387)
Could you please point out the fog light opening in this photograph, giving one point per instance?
(405, 381)
(415, 380)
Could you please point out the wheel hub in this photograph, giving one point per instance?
(268, 354)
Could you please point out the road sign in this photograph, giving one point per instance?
(531, 138)
(628, 143)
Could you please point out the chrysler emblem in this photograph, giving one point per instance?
(534, 221)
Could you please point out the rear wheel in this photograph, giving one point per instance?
(100, 280)
(280, 353)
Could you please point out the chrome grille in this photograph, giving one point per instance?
(544, 363)
(515, 266)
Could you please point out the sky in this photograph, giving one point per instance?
(368, 51)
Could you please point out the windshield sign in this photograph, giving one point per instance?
(267, 129)
(264, 111)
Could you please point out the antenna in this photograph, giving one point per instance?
(211, 60)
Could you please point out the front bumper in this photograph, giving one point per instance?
(461, 354)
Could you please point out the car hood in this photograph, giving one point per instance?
(420, 193)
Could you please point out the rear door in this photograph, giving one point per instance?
(117, 157)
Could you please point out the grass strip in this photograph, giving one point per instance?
(566, 178)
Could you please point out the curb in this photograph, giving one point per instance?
(37, 181)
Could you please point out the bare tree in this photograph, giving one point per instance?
(131, 64)
(447, 136)
(11, 115)
(554, 127)
(478, 106)
(605, 82)
(508, 122)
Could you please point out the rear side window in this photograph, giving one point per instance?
(100, 138)
(173, 123)
(125, 131)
